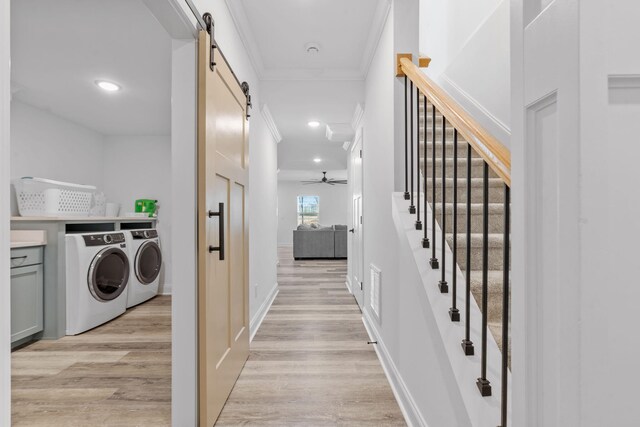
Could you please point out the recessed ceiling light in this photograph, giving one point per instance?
(108, 86)
(313, 124)
(317, 160)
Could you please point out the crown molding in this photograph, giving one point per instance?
(271, 124)
(377, 27)
(247, 37)
(358, 115)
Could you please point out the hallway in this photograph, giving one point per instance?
(310, 363)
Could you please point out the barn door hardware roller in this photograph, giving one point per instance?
(208, 20)
(245, 90)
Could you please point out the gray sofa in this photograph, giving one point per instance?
(320, 242)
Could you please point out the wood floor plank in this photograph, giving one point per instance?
(116, 375)
(310, 364)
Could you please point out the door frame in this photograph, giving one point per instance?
(5, 162)
(181, 25)
(359, 137)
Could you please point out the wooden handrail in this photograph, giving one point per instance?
(492, 151)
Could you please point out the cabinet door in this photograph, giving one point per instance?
(26, 301)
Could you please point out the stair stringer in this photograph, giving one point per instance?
(459, 372)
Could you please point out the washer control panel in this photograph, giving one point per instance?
(144, 234)
(103, 239)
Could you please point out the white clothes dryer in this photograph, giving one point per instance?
(98, 269)
(146, 257)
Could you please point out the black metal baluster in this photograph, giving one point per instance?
(444, 287)
(505, 304)
(425, 239)
(433, 262)
(454, 313)
(418, 186)
(467, 344)
(412, 208)
(406, 145)
(483, 383)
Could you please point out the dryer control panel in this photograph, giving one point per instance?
(144, 234)
(103, 239)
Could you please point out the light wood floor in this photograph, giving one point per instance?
(118, 374)
(310, 363)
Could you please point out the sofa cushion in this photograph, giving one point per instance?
(339, 227)
(304, 227)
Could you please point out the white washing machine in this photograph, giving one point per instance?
(146, 258)
(98, 270)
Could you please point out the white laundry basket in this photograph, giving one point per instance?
(45, 197)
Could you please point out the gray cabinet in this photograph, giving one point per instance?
(27, 312)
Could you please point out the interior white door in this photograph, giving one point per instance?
(357, 259)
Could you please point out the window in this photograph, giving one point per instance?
(308, 209)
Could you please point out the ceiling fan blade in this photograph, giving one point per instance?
(311, 182)
(338, 181)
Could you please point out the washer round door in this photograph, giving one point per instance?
(148, 262)
(109, 274)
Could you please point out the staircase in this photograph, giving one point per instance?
(496, 211)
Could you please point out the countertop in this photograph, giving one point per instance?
(28, 238)
(80, 218)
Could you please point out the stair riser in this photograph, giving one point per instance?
(449, 134)
(496, 195)
(495, 223)
(495, 258)
(476, 167)
(462, 150)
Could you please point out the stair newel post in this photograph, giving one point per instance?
(412, 208)
(425, 239)
(418, 186)
(454, 313)
(433, 262)
(505, 306)
(442, 285)
(467, 344)
(483, 383)
(406, 144)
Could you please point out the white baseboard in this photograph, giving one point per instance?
(348, 283)
(262, 312)
(407, 404)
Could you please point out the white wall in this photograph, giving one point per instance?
(139, 167)
(263, 220)
(468, 41)
(5, 148)
(334, 206)
(48, 146)
(405, 327)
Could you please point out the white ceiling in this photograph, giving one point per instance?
(59, 48)
(294, 103)
(299, 87)
(276, 32)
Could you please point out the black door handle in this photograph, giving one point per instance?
(353, 230)
(220, 215)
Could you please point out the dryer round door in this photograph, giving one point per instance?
(148, 262)
(108, 274)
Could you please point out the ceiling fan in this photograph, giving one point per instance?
(325, 180)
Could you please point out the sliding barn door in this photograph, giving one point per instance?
(223, 304)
